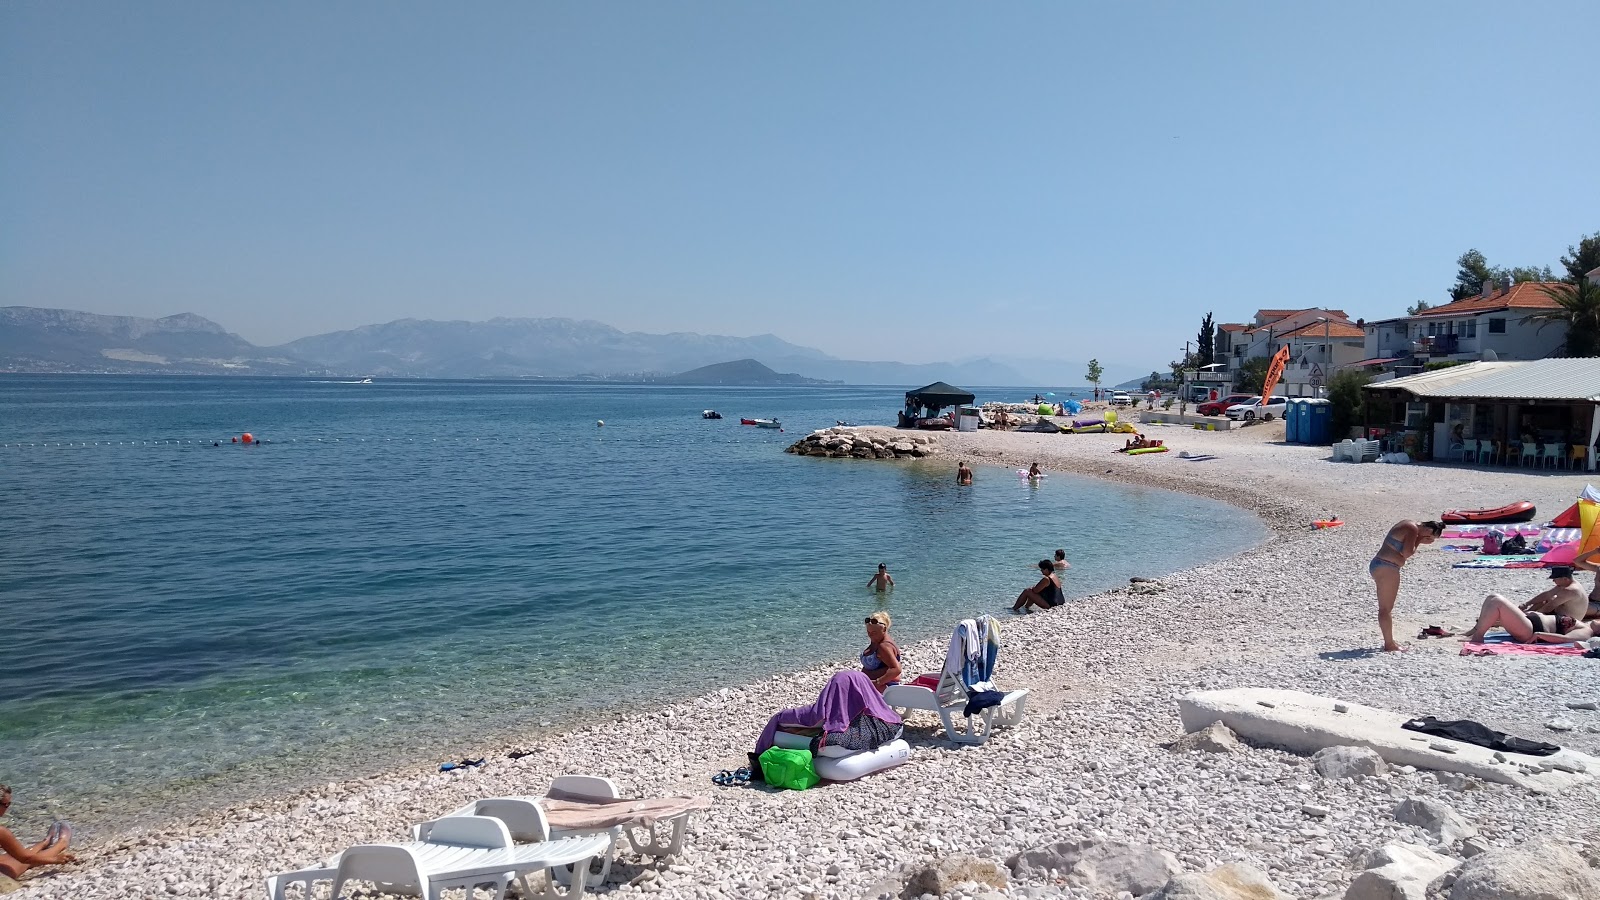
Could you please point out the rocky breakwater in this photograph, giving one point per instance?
(866, 443)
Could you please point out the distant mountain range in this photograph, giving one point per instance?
(740, 371)
(59, 340)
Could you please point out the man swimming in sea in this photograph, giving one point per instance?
(963, 474)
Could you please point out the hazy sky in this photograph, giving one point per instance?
(910, 181)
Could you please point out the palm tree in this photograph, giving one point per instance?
(1578, 307)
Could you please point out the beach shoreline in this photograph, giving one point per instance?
(1296, 611)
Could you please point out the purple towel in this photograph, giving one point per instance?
(846, 695)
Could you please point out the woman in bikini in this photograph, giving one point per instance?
(1398, 546)
(881, 660)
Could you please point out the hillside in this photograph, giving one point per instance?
(64, 340)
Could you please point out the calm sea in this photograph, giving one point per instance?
(406, 571)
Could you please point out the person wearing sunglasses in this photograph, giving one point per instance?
(16, 857)
(881, 660)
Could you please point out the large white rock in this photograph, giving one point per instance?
(1399, 872)
(1541, 870)
(1435, 818)
(1108, 867)
(1348, 762)
(1307, 723)
(1235, 881)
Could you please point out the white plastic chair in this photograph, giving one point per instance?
(961, 677)
(1552, 455)
(455, 852)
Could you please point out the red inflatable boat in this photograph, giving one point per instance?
(1521, 511)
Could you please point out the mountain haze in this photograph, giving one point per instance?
(740, 371)
(58, 340)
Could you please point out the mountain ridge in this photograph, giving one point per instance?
(38, 339)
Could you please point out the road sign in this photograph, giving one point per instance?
(1316, 376)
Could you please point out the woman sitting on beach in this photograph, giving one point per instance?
(1398, 546)
(880, 662)
(1557, 611)
(849, 713)
(1046, 594)
(16, 858)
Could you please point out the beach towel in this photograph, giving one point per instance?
(576, 812)
(846, 695)
(1511, 648)
(1478, 531)
(1520, 561)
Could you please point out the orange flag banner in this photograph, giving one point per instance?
(1275, 371)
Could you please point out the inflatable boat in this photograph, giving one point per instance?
(760, 423)
(1521, 511)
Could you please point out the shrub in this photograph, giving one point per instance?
(1347, 399)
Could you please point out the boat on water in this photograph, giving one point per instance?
(710, 414)
(761, 423)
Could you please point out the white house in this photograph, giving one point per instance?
(1496, 320)
(1319, 341)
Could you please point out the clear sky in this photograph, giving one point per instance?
(910, 181)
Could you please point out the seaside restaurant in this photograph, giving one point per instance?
(1538, 414)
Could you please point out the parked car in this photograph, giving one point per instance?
(1121, 398)
(1218, 407)
(1254, 409)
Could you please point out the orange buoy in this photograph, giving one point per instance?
(247, 437)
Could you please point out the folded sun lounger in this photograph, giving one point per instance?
(588, 805)
(457, 852)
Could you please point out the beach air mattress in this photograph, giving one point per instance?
(1521, 511)
(1147, 450)
(849, 768)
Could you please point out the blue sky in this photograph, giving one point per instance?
(884, 181)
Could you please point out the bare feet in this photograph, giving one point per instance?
(1392, 647)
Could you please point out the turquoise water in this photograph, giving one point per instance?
(408, 569)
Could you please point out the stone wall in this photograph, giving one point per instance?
(850, 442)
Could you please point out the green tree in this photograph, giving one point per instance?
(1095, 373)
(1252, 375)
(1207, 341)
(1156, 382)
(1582, 258)
(1579, 309)
(1472, 271)
(1524, 273)
(1346, 400)
(1418, 307)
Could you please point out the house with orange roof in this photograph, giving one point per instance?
(1494, 324)
(1319, 341)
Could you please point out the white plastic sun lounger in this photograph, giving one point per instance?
(589, 805)
(457, 852)
(968, 668)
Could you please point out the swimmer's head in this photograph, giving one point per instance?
(882, 566)
(1061, 554)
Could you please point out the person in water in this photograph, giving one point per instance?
(1046, 594)
(1034, 471)
(16, 857)
(1398, 546)
(1556, 611)
(881, 580)
(881, 660)
(963, 474)
(1061, 564)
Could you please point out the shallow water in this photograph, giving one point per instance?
(408, 569)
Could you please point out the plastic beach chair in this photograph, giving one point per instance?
(454, 852)
(586, 799)
(968, 669)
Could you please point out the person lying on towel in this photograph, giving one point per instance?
(850, 712)
(1556, 611)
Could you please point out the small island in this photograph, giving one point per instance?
(738, 372)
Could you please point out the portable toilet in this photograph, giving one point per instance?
(1318, 427)
(1292, 419)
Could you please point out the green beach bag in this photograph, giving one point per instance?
(790, 769)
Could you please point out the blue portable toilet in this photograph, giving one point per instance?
(1294, 421)
(1318, 427)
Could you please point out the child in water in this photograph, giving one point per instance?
(881, 580)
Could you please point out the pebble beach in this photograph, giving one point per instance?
(1088, 765)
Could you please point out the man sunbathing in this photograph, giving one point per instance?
(16, 857)
(1556, 611)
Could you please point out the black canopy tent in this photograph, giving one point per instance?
(928, 400)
